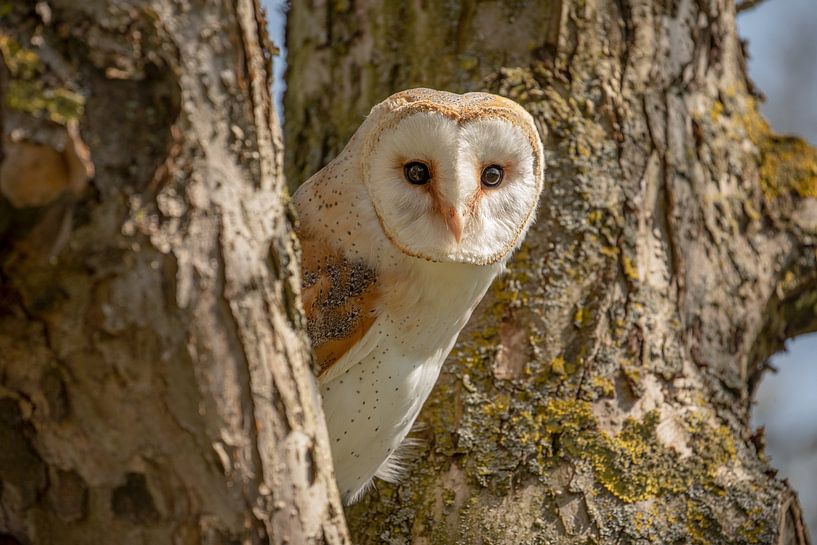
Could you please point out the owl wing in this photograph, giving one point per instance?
(341, 300)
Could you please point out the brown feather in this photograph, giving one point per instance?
(340, 299)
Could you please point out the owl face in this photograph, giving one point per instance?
(453, 178)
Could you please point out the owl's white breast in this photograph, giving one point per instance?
(371, 406)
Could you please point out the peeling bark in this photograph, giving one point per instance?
(155, 382)
(601, 393)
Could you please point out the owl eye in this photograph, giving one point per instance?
(492, 176)
(417, 173)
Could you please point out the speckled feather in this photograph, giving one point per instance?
(392, 271)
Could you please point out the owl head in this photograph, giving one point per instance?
(452, 178)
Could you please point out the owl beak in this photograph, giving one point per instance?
(453, 221)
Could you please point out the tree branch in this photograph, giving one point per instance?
(746, 5)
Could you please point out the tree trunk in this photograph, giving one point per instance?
(601, 393)
(154, 375)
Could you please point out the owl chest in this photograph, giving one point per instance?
(420, 334)
(388, 387)
(374, 403)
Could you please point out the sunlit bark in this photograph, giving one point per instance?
(601, 394)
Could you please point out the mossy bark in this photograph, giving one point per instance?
(602, 392)
(154, 374)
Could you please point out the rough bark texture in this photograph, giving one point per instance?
(602, 392)
(154, 377)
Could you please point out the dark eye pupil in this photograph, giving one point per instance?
(492, 175)
(416, 173)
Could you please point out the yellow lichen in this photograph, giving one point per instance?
(787, 163)
(633, 465)
(557, 365)
(698, 525)
(498, 406)
(629, 268)
(609, 251)
(582, 317)
(595, 216)
(603, 385)
(754, 528)
(716, 111)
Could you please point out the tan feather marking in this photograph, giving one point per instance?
(340, 299)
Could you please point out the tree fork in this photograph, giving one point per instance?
(602, 391)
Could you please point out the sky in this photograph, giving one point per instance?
(782, 40)
(783, 62)
(276, 21)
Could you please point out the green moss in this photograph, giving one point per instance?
(449, 496)
(26, 90)
(59, 105)
(22, 63)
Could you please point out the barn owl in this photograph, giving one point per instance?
(401, 236)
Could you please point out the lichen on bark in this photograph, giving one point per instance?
(601, 392)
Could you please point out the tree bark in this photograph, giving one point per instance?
(602, 392)
(155, 382)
